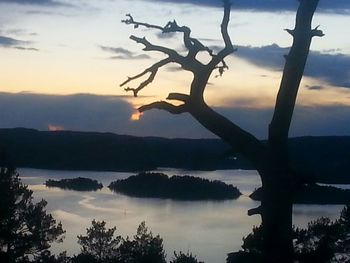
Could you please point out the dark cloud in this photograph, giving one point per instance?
(166, 35)
(332, 68)
(76, 112)
(18, 32)
(314, 87)
(27, 48)
(174, 68)
(35, 2)
(8, 42)
(329, 6)
(123, 53)
(112, 114)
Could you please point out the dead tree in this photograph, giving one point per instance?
(270, 158)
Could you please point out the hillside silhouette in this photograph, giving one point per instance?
(323, 159)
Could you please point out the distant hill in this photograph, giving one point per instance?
(325, 158)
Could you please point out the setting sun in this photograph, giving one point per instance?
(136, 116)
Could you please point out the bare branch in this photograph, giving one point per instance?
(317, 32)
(228, 49)
(130, 21)
(255, 211)
(150, 47)
(240, 140)
(222, 68)
(192, 44)
(178, 96)
(163, 105)
(153, 70)
(292, 75)
(290, 31)
(224, 25)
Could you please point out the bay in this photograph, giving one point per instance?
(208, 229)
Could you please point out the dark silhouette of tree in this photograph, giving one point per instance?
(26, 230)
(100, 245)
(270, 158)
(320, 242)
(144, 248)
(184, 258)
(47, 257)
(99, 242)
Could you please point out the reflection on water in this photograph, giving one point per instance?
(209, 229)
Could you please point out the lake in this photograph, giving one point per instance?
(208, 229)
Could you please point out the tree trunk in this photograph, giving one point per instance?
(276, 214)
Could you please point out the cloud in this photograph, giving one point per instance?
(26, 48)
(314, 87)
(166, 35)
(75, 112)
(35, 2)
(332, 68)
(123, 53)
(9, 42)
(112, 114)
(328, 6)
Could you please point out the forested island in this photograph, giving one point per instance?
(314, 194)
(77, 184)
(159, 185)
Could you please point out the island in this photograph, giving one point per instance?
(159, 185)
(314, 194)
(78, 184)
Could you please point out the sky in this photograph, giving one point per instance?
(62, 63)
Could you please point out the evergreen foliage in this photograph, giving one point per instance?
(99, 242)
(26, 229)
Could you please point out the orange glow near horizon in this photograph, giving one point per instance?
(136, 116)
(52, 127)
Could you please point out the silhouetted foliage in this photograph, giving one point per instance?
(99, 242)
(314, 194)
(100, 245)
(26, 230)
(174, 187)
(47, 257)
(184, 258)
(84, 258)
(322, 241)
(78, 184)
(144, 248)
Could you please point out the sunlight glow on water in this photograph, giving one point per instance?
(209, 229)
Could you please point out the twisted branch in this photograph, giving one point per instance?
(228, 49)
(153, 70)
(192, 44)
(194, 103)
(163, 105)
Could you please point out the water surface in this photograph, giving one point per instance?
(209, 229)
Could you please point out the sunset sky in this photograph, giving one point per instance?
(62, 62)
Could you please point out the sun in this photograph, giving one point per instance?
(136, 116)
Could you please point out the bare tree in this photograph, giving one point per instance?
(270, 158)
